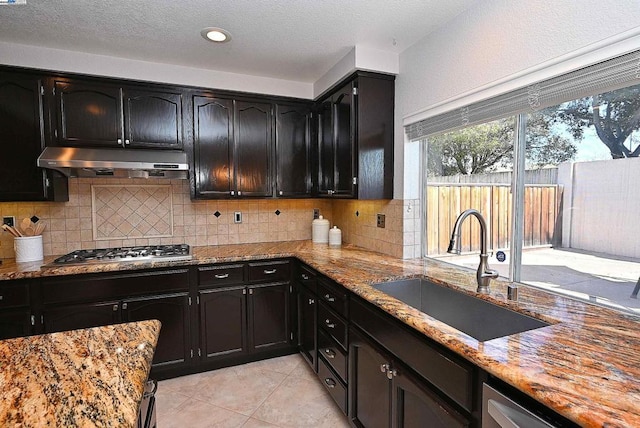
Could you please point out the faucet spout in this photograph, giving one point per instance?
(484, 273)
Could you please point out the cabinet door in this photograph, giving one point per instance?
(84, 315)
(88, 114)
(325, 149)
(414, 406)
(223, 322)
(293, 162)
(252, 149)
(152, 119)
(268, 316)
(369, 387)
(213, 140)
(15, 323)
(21, 138)
(308, 316)
(172, 311)
(344, 154)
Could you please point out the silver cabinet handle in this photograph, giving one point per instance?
(222, 275)
(311, 301)
(328, 298)
(305, 277)
(115, 308)
(126, 142)
(119, 141)
(239, 193)
(1, 298)
(280, 193)
(330, 382)
(329, 353)
(270, 271)
(124, 306)
(384, 367)
(233, 193)
(391, 373)
(329, 323)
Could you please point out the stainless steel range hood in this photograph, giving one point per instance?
(117, 163)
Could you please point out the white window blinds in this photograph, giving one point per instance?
(602, 77)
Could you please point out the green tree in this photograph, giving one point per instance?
(486, 147)
(615, 116)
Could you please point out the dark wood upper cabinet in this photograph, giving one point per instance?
(153, 119)
(233, 147)
(252, 151)
(355, 138)
(293, 150)
(213, 146)
(22, 125)
(111, 115)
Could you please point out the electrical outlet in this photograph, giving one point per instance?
(237, 217)
(380, 221)
(316, 213)
(9, 220)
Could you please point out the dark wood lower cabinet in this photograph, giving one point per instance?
(174, 342)
(307, 325)
(15, 323)
(83, 315)
(269, 316)
(384, 393)
(223, 321)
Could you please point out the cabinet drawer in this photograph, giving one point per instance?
(333, 296)
(334, 385)
(305, 275)
(270, 271)
(214, 276)
(446, 371)
(334, 355)
(332, 324)
(14, 295)
(80, 288)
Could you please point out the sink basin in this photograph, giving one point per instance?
(475, 317)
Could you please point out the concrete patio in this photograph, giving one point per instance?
(600, 278)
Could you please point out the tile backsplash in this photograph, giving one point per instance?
(111, 212)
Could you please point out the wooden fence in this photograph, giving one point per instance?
(542, 222)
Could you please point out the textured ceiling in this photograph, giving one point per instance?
(289, 39)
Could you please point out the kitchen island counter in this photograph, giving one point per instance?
(585, 365)
(90, 377)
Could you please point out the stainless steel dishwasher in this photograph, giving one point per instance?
(499, 411)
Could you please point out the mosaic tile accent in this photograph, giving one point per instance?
(125, 212)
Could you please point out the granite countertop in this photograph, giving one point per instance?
(585, 366)
(85, 378)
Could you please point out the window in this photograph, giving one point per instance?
(578, 205)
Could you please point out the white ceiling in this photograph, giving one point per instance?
(297, 40)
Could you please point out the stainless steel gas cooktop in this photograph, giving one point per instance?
(126, 254)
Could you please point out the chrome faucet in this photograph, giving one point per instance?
(484, 274)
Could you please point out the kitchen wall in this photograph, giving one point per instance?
(111, 212)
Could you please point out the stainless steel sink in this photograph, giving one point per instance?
(475, 317)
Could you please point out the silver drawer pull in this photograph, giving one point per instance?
(329, 353)
(329, 323)
(222, 275)
(311, 301)
(269, 271)
(330, 382)
(305, 277)
(328, 298)
(0, 297)
(384, 367)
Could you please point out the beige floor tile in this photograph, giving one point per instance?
(185, 385)
(241, 388)
(285, 364)
(304, 371)
(198, 414)
(301, 403)
(256, 423)
(168, 401)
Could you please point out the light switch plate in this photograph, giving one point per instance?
(316, 213)
(380, 221)
(237, 217)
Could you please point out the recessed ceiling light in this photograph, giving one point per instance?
(214, 34)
